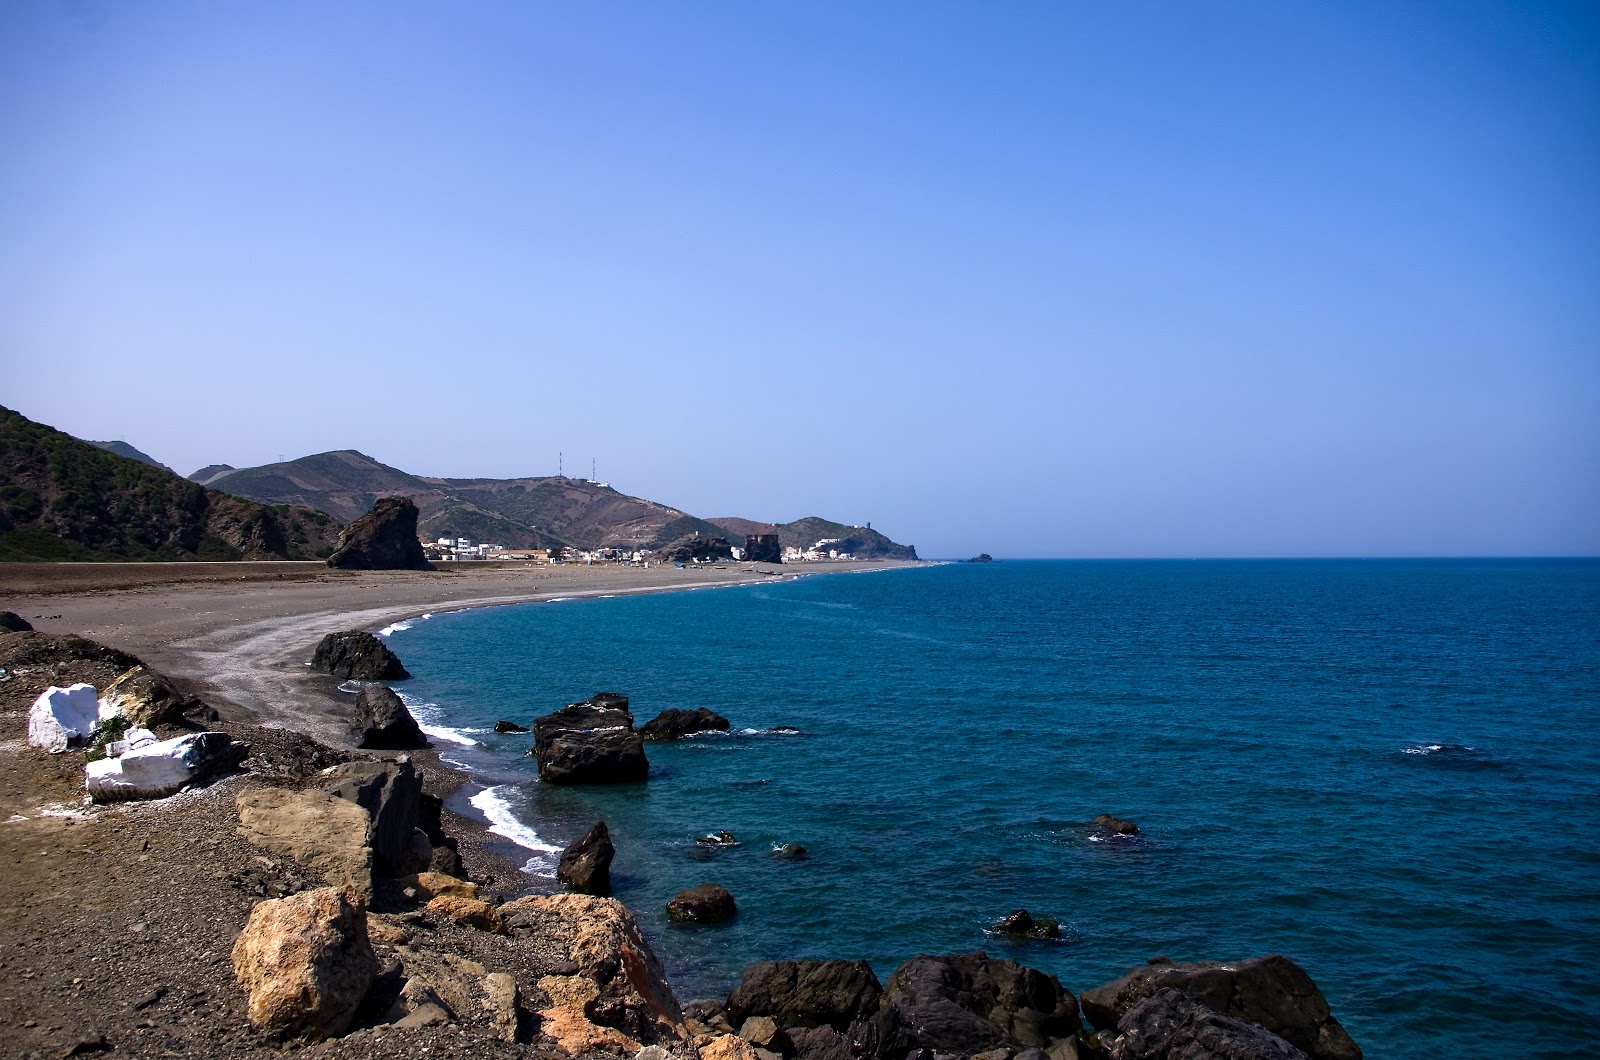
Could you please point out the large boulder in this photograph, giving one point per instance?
(383, 539)
(154, 770)
(391, 794)
(763, 548)
(63, 717)
(592, 742)
(970, 1004)
(306, 963)
(382, 722)
(146, 698)
(616, 996)
(696, 547)
(328, 835)
(806, 993)
(358, 655)
(674, 724)
(706, 903)
(585, 865)
(1171, 1024)
(1273, 992)
(11, 622)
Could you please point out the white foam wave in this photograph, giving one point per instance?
(428, 716)
(1437, 748)
(503, 822)
(389, 631)
(351, 687)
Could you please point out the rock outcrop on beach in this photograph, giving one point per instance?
(382, 722)
(325, 834)
(383, 539)
(763, 548)
(147, 698)
(1171, 1024)
(706, 903)
(969, 1004)
(1273, 992)
(306, 963)
(358, 655)
(696, 547)
(592, 742)
(833, 994)
(11, 622)
(585, 864)
(674, 724)
(391, 795)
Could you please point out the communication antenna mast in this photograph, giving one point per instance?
(561, 468)
(592, 476)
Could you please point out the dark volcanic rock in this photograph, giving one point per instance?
(807, 993)
(1114, 825)
(970, 1004)
(1022, 924)
(763, 548)
(592, 742)
(705, 904)
(382, 721)
(383, 539)
(358, 655)
(1271, 991)
(819, 1043)
(509, 726)
(982, 557)
(11, 622)
(1171, 1024)
(790, 852)
(674, 724)
(446, 856)
(391, 793)
(697, 547)
(585, 865)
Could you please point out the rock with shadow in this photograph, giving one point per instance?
(359, 655)
(592, 742)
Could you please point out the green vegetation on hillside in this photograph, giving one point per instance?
(65, 499)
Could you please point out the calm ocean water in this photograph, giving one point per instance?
(1389, 771)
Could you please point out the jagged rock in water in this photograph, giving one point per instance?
(1173, 1024)
(1019, 923)
(982, 557)
(391, 795)
(706, 903)
(806, 993)
(592, 742)
(11, 622)
(383, 539)
(382, 721)
(509, 726)
(674, 724)
(359, 655)
(1272, 991)
(763, 548)
(306, 963)
(790, 852)
(1109, 825)
(585, 865)
(156, 770)
(146, 698)
(972, 1003)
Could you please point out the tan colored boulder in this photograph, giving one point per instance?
(305, 963)
(328, 835)
(431, 885)
(472, 912)
(728, 1047)
(502, 999)
(387, 930)
(145, 698)
(567, 1021)
(608, 947)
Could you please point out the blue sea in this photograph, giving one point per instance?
(1389, 771)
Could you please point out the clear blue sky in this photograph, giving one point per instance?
(1048, 279)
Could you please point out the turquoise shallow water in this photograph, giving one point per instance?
(1388, 770)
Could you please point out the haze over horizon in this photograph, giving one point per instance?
(1028, 279)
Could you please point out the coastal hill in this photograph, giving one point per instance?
(533, 512)
(66, 499)
(122, 448)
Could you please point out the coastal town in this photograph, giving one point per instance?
(758, 548)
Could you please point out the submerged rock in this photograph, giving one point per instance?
(357, 654)
(63, 717)
(674, 724)
(306, 963)
(1273, 992)
(592, 742)
(1172, 1024)
(790, 852)
(1114, 825)
(382, 722)
(585, 865)
(383, 539)
(717, 839)
(707, 903)
(1020, 923)
(156, 770)
(807, 993)
(509, 726)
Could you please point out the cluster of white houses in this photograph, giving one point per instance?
(464, 549)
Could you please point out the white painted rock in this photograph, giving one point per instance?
(134, 737)
(63, 717)
(155, 770)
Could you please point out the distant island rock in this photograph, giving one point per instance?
(982, 557)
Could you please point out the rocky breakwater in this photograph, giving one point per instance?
(383, 539)
(592, 742)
